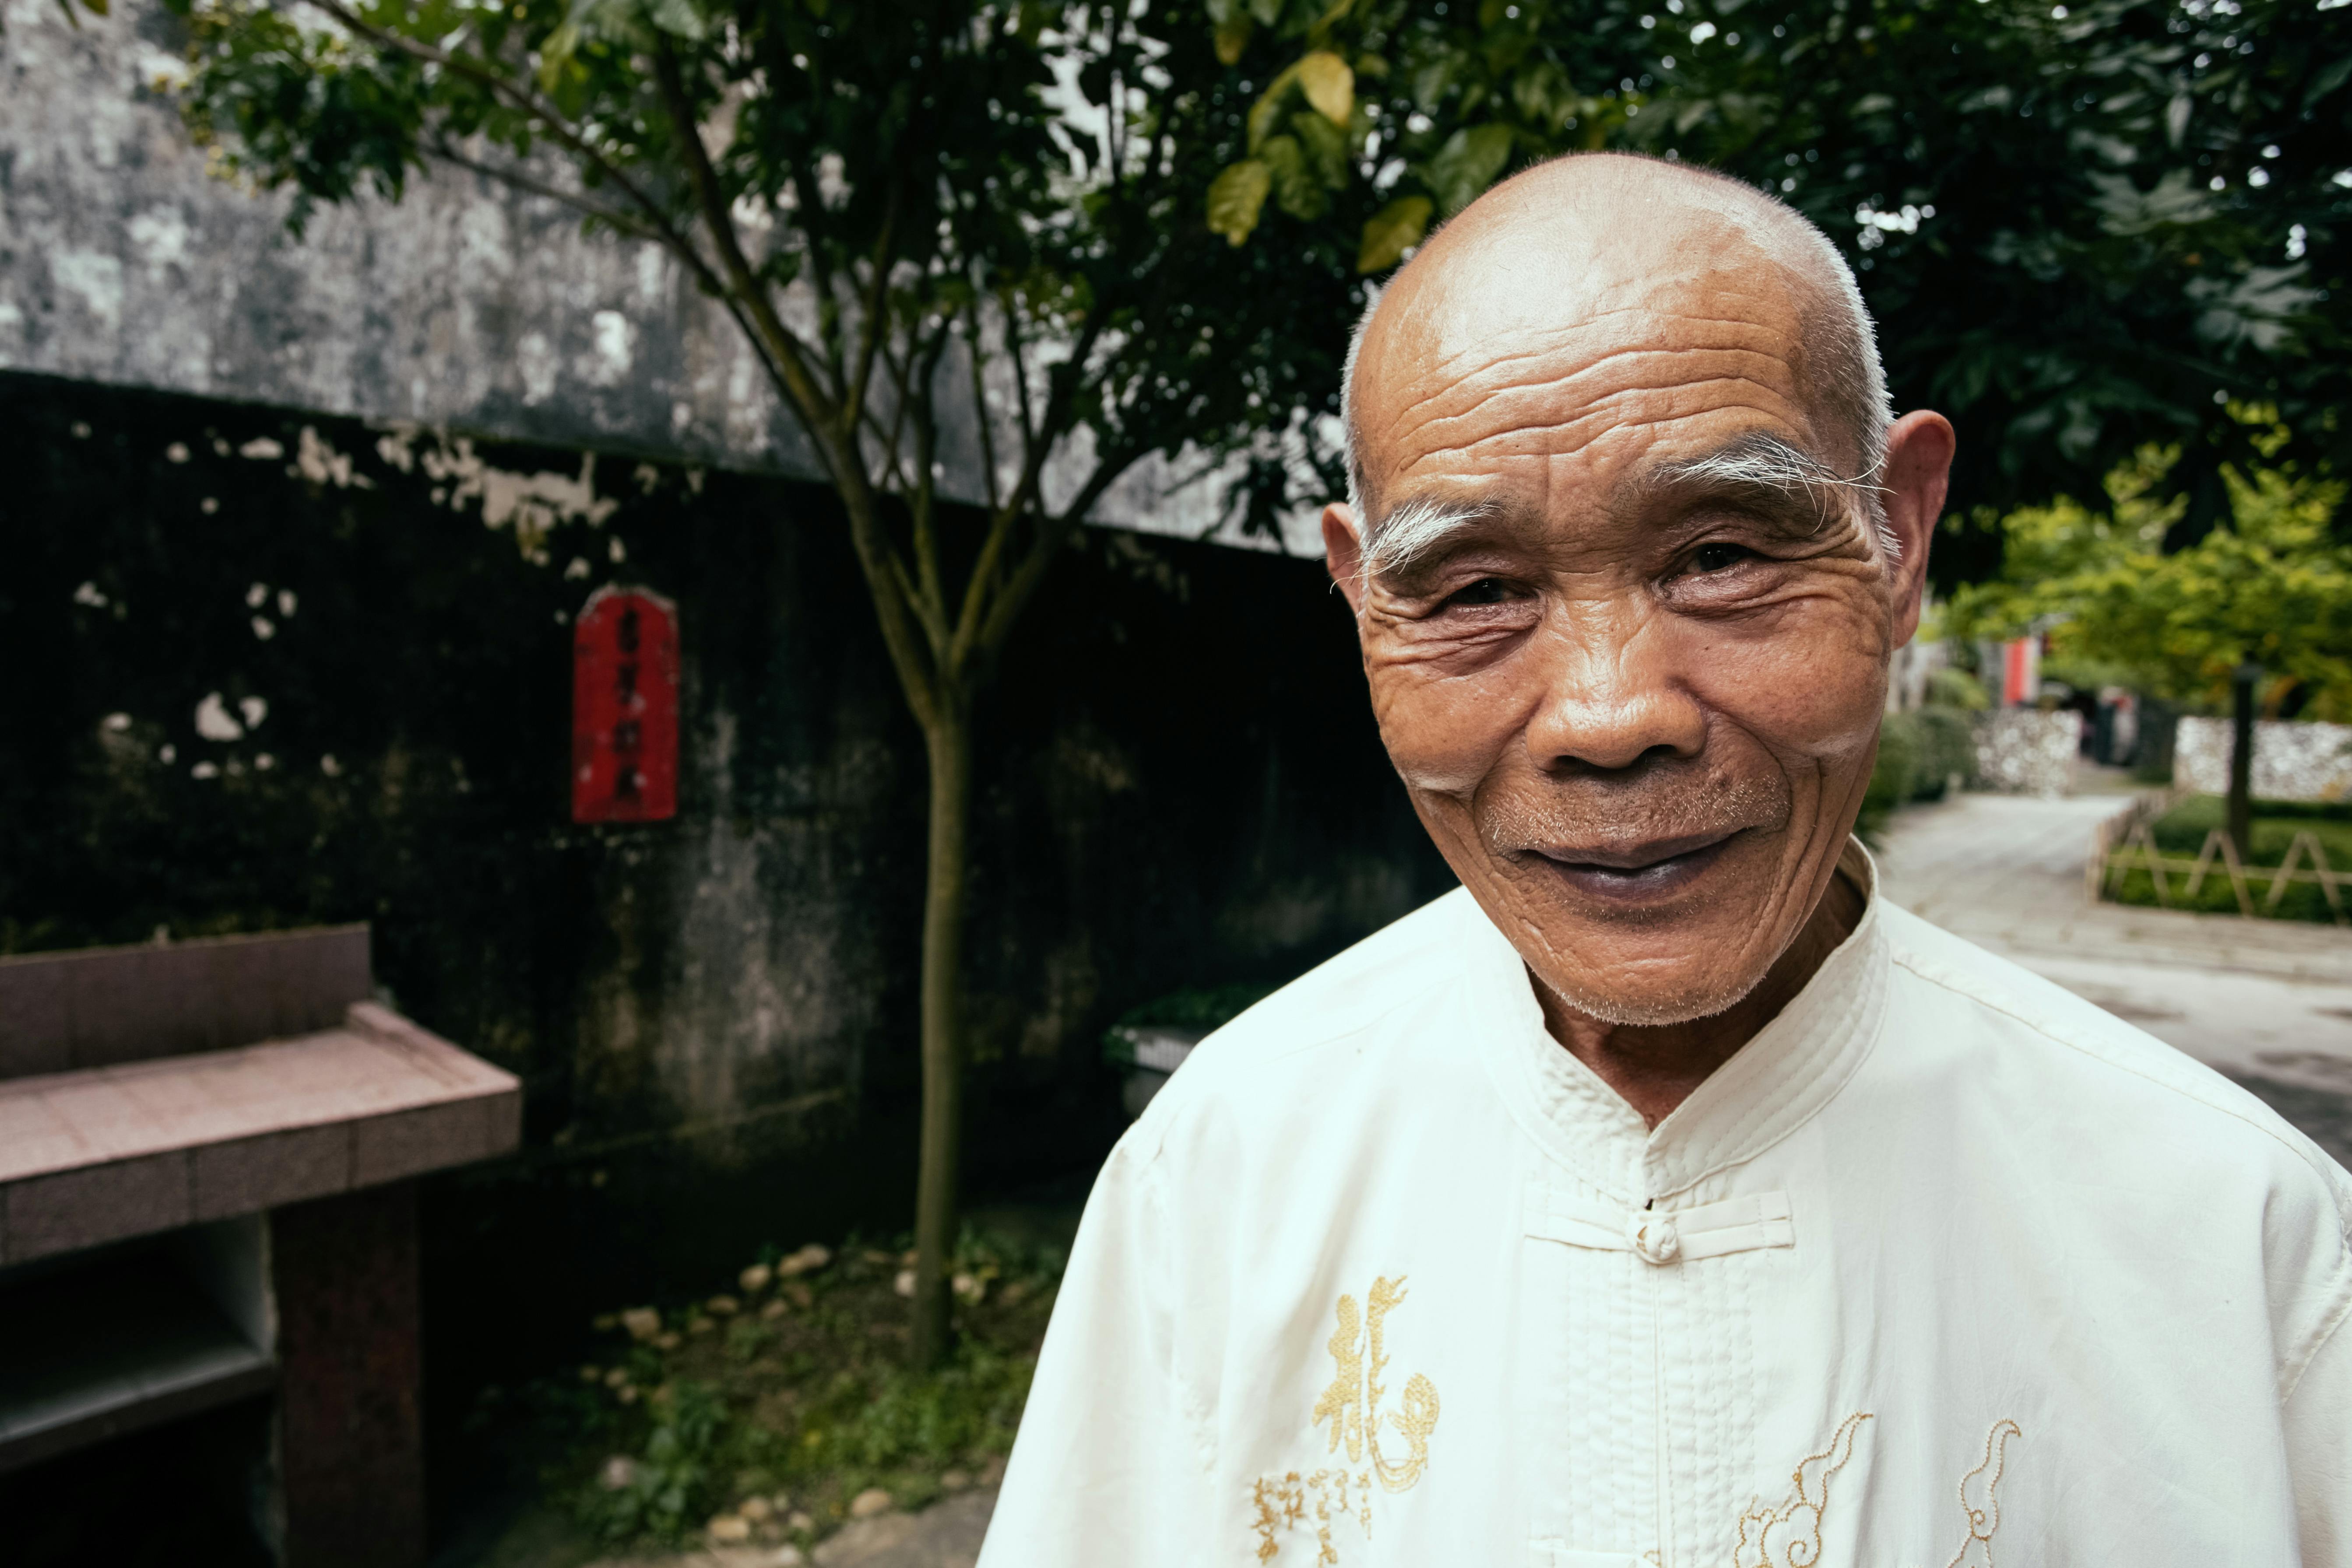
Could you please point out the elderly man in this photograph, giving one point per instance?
(1662, 1197)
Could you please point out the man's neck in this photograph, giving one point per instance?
(1654, 1066)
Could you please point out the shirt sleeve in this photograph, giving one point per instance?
(1112, 1464)
(2319, 1444)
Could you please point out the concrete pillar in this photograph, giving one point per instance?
(352, 1432)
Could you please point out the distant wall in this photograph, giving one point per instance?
(2293, 760)
(2022, 751)
(465, 305)
(276, 670)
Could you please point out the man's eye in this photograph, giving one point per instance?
(1485, 591)
(1715, 557)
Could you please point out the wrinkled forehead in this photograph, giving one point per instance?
(1573, 317)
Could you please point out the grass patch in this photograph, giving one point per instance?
(763, 1413)
(2181, 832)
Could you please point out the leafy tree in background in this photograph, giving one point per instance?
(2082, 229)
(912, 211)
(2269, 589)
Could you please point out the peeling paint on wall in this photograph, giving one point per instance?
(1154, 808)
(531, 504)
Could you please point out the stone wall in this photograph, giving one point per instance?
(465, 305)
(2021, 751)
(2293, 760)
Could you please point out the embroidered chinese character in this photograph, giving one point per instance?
(1353, 1404)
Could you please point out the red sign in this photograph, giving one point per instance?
(624, 708)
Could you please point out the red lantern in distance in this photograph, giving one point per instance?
(624, 708)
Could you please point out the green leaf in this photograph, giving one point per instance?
(1325, 147)
(1232, 35)
(557, 52)
(1391, 231)
(1543, 95)
(1268, 105)
(1467, 165)
(1329, 85)
(1298, 187)
(2128, 211)
(1236, 196)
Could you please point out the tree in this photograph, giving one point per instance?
(2267, 597)
(903, 206)
(2082, 229)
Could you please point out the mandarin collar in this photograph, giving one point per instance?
(1771, 1086)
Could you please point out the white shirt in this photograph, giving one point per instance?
(1945, 1267)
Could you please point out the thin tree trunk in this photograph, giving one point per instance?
(948, 741)
(2242, 761)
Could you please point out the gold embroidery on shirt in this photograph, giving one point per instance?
(1979, 1504)
(1342, 1403)
(1790, 1536)
(1352, 1404)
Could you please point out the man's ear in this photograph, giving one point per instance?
(1343, 552)
(1919, 470)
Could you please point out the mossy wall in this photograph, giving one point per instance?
(293, 670)
(273, 669)
(1180, 784)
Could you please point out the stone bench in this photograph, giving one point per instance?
(206, 1163)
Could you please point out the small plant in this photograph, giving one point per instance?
(776, 1411)
(668, 1490)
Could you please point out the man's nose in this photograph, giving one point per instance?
(1613, 697)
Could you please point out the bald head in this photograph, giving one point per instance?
(1572, 246)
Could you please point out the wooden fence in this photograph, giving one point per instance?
(2123, 843)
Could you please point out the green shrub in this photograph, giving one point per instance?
(2181, 832)
(1896, 770)
(1919, 753)
(1948, 750)
(1952, 687)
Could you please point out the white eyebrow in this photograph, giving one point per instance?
(1411, 532)
(1769, 463)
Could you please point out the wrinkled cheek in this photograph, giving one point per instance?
(1815, 696)
(1443, 738)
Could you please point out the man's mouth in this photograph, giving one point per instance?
(1635, 873)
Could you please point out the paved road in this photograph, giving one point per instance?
(2268, 1002)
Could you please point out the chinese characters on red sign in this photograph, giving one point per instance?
(624, 708)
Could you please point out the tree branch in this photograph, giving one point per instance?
(979, 405)
(917, 393)
(500, 86)
(637, 228)
(874, 325)
(885, 575)
(1018, 351)
(784, 344)
(1052, 533)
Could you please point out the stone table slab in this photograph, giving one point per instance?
(102, 1153)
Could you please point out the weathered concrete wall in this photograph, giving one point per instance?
(121, 261)
(465, 305)
(296, 670)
